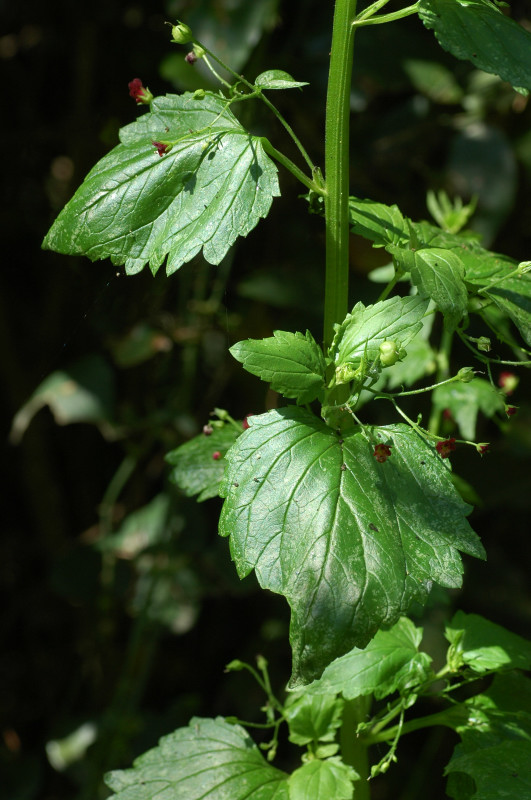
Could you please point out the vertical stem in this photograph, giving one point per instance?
(443, 370)
(336, 166)
(353, 749)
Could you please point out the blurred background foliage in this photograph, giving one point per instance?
(121, 606)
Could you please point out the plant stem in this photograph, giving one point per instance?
(289, 165)
(443, 358)
(451, 717)
(353, 747)
(336, 167)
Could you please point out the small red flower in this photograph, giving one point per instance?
(245, 424)
(445, 448)
(162, 147)
(382, 452)
(190, 57)
(208, 430)
(138, 92)
(483, 447)
(216, 455)
(511, 410)
(508, 382)
(447, 414)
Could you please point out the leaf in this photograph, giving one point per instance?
(293, 363)
(391, 662)
(314, 718)
(140, 529)
(438, 274)
(195, 470)
(377, 222)
(477, 31)
(493, 760)
(482, 645)
(362, 332)
(464, 400)
(208, 759)
(322, 780)
(434, 80)
(277, 79)
(137, 208)
(513, 297)
(348, 541)
(419, 361)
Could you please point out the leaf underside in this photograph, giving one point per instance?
(137, 208)
(349, 542)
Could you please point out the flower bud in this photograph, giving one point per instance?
(482, 448)
(216, 455)
(484, 344)
(198, 51)
(508, 382)
(139, 92)
(382, 452)
(190, 58)
(445, 448)
(511, 410)
(208, 430)
(199, 94)
(389, 353)
(466, 374)
(181, 33)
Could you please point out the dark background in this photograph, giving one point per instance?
(131, 640)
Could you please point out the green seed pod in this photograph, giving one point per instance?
(389, 353)
(181, 33)
(466, 374)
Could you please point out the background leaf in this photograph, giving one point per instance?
(464, 400)
(293, 363)
(349, 542)
(137, 208)
(482, 645)
(208, 759)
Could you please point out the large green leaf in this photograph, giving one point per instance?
(477, 31)
(349, 542)
(208, 760)
(322, 780)
(293, 363)
(493, 760)
(314, 718)
(378, 222)
(513, 297)
(195, 469)
(391, 662)
(137, 208)
(482, 645)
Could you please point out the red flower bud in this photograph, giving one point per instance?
(447, 414)
(139, 93)
(483, 447)
(445, 448)
(245, 424)
(190, 57)
(162, 147)
(208, 429)
(511, 410)
(508, 382)
(216, 455)
(382, 452)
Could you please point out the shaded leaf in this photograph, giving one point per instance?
(348, 541)
(208, 759)
(514, 298)
(464, 400)
(482, 645)
(293, 363)
(137, 208)
(277, 79)
(195, 471)
(314, 719)
(477, 31)
(378, 222)
(322, 780)
(391, 662)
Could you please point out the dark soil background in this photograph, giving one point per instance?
(131, 642)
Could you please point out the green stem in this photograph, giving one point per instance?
(289, 129)
(354, 747)
(451, 717)
(443, 358)
(336, 167)
(289, 165)
(405, 12)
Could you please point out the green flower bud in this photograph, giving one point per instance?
(181, 33)
(199, 94)
(389, 353)
(466, 374)
(198, 51)
(484, 344)
(346, 373)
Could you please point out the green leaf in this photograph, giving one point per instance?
(482, 645)
(391, 662)
(137, 208)
(208, 759)
(434, 80)
(477, 31)
(464, 400)
(195, 471)
(348, 541)
(439, 274)
(513, 297)
(493, 760)
(140, 529)
(361, 333)
(314, 718)
(277, 79)
(419, 361)
(293, 363)
(322, 780)
(377, 222)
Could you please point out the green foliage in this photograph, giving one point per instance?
(277, 79)
(482, 645)
(464, 400)
(322, 780)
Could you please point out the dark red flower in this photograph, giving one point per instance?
(245, 424)
(447, 414)
(511, 410)
(382, 452)
(445, 448)
(508, 382)
(161, 147)
(216, 455)
(208, 430)
(138, 92)
(190, 57)
(482, 448)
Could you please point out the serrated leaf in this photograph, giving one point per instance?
(439, 274)
(513, 297)
(477, 31)
(138, 208)
(378, 222)
(209, 759)
(195, 471)
(277, 79)
(322, 780)
(362, 332)
(391, 662)
(482, 645)
(419, 361)
(293, 363)
(314, 718)
(493, 760)
(465, 400)
(349, 542)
